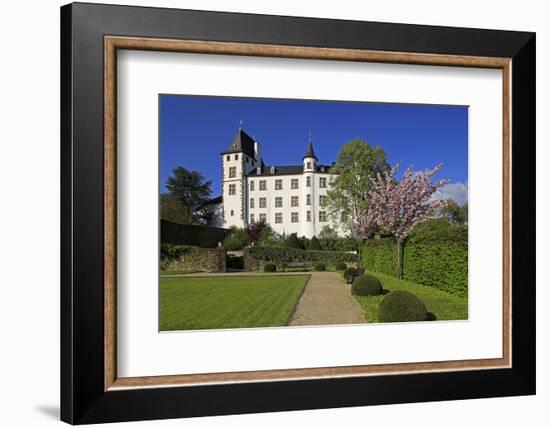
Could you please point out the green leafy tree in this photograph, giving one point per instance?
(173, 210)
(191, 189)
(358, 162)
(237, 239)
(456, 214)
(328, 232)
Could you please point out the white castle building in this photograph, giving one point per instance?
(290, 198)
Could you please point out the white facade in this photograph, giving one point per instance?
(291, 199)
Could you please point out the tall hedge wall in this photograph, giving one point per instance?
(437, 260)
(188, 234)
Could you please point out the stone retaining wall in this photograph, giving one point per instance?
(202, 259)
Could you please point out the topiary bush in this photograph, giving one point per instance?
(294, 242)
(341, 266)
(270, 267)
(366, 285)
(320, 267)
(401, 306)
(349, 274)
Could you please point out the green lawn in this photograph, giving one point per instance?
(177, 271)
(228, 302)
(440, 305)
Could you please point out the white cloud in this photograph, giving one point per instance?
(456, 191)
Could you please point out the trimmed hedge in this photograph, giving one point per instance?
(401, 306)
(282, 256)
(320, 267)
(434, 257)
(379, 255)
(188, 234)
(366, 285)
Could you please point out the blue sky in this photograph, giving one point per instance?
(194, 130)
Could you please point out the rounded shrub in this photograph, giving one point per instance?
(320, 267)
(341, 266)
(349, 274)
(366, 285)
(270, 267)
(401, 306)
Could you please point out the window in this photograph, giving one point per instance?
(262, 203)
(252, 185)
(322, 182)
(251, 218)
(278, 217)
(278, 184)
(232, 213)
(344, 217)
(228, 158)
(322, 216)
(308, 181)
(251, 202)
(294, 183)
(232, 171)
(262, 217)
(294, 217)
(278, 202)
(323, 200)
(232, 189)
(308, 165)
(308, 199)
(236, 157)
(263, 185)
(294, 201)
(247, 159)
(308, 216)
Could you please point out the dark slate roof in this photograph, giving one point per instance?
(241, 143)
(309, 152)
(286, 170)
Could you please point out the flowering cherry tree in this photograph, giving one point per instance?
(398, 206)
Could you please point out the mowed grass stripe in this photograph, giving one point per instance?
(228, 302)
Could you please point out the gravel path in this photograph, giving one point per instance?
(327, 300)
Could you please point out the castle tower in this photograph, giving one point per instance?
(310, 160)
(309, 193)
(239, 159)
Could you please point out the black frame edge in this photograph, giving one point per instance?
(66, 316)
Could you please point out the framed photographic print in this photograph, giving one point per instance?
(266, 213)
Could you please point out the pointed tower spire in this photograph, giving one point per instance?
(309, 152)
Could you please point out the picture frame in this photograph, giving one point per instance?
(91, 391)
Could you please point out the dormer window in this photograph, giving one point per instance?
(258, 170)
(272, 169)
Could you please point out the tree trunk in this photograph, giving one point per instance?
(360, 254)
(399, 264)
